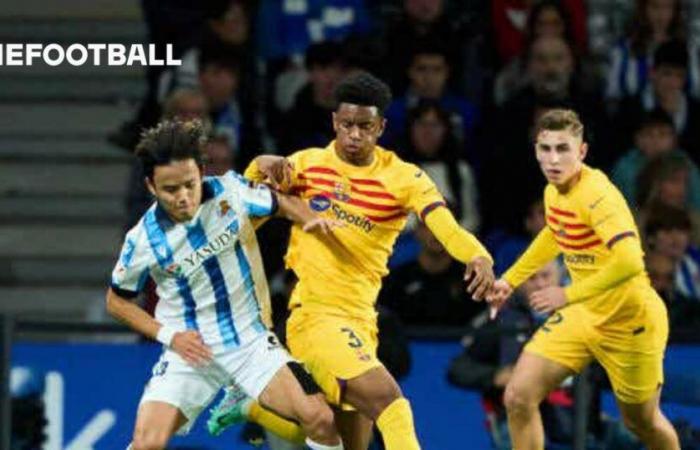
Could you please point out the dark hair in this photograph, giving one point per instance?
(323, 54)
(217, 9)
(171, 140)
(430, 46)
(558, 120)
(656, 171)
(449, 150)
(538, 9)
(364, 89)
(654, 118)
(671, 53)
(219, 55)
(640, 33)
(664, 217)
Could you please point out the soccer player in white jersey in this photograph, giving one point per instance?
(198, 244)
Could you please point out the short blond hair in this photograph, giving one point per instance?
(558, 120)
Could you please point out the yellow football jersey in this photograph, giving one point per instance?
(343, 274)
(586, 222)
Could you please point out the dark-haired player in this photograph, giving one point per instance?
(198, 245)
(332, 328)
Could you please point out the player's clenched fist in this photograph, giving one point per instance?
(191, 347)
(277, 170)
(479, 277)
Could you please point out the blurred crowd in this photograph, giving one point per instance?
(469, 79)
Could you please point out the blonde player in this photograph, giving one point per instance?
(610, 312)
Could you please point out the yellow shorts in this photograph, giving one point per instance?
(631, 352)
(333, 349)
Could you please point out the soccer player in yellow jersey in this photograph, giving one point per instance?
(609, 313)
(332, 328)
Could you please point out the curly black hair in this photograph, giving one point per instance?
(171, 140)
(364, 89)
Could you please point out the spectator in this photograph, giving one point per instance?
(546, 19)
(219, 81)
(308, 123)
(290, 28)
(219, 155)
(655, 137)
(420, 21)
(512, 19)
(432, 146)
(165, 22)
(665, 182)
(429, 291)
(667, 231)
(429, 71)
(665, 92)
(655, 22)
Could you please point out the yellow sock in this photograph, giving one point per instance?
(396, 425)
(284, 428)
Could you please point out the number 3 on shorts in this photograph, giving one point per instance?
(353, 341)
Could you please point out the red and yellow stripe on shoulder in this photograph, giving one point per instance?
(569, 232)
(370, 195)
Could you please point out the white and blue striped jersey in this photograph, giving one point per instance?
(208, 271)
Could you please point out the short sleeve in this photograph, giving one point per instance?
(132, 269)
(257, 200)
(611, 218)
(422, 194)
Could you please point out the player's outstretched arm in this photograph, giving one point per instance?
(187, 344)
(277, 171)
(541, 251)
(464, 247)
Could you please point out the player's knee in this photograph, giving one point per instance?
(145, 439)
(317, 420)
(517, 401)
(640, 425)
(382, 400)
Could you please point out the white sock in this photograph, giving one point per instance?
(315, 446)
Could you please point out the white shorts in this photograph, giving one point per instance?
(191, 389)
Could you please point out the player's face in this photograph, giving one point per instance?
(357, 129)
(560, 155)
(178, 188)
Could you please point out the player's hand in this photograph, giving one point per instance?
(323, 225)
(277, 170)
(548, 300)
(499, 294)
(479, 277)
(191, 347)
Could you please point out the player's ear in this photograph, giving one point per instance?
(335, 122)
(382, 127)
(150, 186)
(584, 150)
